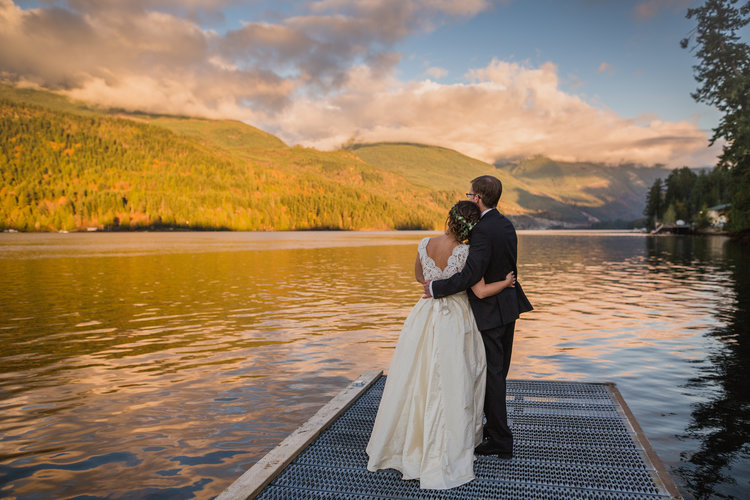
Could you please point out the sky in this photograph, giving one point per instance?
(576, 80)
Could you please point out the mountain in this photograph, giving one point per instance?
(580, 192)
(435, 168)
(65, 165)
(537, 192)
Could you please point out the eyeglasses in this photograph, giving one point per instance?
(472, 195)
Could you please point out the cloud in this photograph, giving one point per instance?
(152, 61)
(648, 9)
(606, 68)
(436, 72)
(319, 77)
(503, 110)
(154, 55)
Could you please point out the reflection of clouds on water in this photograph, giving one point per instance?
(179, 353)
(598, 303)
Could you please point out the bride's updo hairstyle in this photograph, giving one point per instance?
(462, 218)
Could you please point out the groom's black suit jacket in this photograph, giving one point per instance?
(492, 254)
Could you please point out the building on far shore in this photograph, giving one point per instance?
(679, 227)
(717, 215)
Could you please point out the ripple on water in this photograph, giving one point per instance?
(137, 371)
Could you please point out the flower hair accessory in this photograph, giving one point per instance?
(466, 226)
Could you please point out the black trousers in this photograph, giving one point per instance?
(498, 345)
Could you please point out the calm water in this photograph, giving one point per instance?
(165, 364)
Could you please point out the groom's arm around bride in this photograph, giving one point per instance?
(492, 255)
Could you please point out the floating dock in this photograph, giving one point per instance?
(572, 440)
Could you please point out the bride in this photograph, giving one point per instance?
(430, 415)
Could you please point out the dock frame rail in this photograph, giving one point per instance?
(572, 440)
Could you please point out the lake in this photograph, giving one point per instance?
(164, 365)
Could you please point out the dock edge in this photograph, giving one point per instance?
(662, 476)
(250, 484)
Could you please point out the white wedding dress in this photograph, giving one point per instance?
(430, 415)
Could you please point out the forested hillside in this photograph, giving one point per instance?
(75, 169)
(67, 166)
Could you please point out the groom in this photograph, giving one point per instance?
(492, 254)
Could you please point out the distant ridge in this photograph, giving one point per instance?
(578, 191)
(539, 192)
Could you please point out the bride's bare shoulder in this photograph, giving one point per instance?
(436, 242)
(440, 240)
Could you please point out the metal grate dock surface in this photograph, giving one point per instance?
(572, 441)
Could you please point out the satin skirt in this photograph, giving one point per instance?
(430, 415)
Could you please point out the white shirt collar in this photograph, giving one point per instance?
(485, 212)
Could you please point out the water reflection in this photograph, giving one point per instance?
(720, 419)
(166, 364)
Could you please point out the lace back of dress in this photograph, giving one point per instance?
(455, 264)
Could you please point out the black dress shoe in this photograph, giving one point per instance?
(490, 448)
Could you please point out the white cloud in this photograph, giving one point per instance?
(505, 110)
